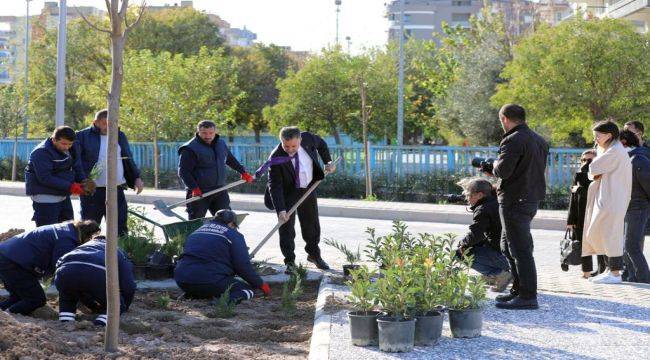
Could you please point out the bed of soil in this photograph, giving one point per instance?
(186, 329)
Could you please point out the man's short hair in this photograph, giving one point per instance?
(637, 125)
(514, 113)
(63, 132)
(475, 185)
(101, 114)
(629, 139)
(206, 124)
(289, 132)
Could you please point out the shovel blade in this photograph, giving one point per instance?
(163, 208)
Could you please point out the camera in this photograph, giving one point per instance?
(485, 165)
(455, 198)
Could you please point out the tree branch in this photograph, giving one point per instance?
(108, 8)
(143, 6)
(90, 23)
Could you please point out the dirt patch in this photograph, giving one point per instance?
(177, 329)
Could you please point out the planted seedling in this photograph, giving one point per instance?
(162, 301)
(223, 307)
(292, 289)
(352, 257)
(46, 283)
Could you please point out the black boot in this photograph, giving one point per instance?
(507, 297)
(519, 304)
(291, 267)
(319, 262)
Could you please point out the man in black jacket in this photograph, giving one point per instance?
(293, 168)
(483, 241)
(520, 168)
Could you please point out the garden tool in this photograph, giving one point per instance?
(166, 209)
(290, 212)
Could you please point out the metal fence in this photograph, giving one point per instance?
(384, 160)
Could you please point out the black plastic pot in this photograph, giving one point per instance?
(395, 334)
(428, 328)
(158, 272)
(140, 272)
(363, 327)
(347, 268)
(466, 323)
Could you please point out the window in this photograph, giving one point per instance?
(461, 3)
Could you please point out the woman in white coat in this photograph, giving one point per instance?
(607, 201)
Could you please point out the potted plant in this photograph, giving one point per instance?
(396, 295)
(467, 300)
(352, 257)
(428, 297)
(363, 320)
(138, 250)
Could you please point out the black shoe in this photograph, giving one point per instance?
(519, 304)
(291, 267)
(319, 262)
(506, 297)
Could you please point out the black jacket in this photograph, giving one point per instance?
(578, 200)
(486, 225)
(521, 165)
(281, 193)
(640, 198)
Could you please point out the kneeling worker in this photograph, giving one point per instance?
(81, 277)
(212, 256)
(484, 237)
(29, 256)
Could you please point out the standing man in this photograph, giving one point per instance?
(202, 167)
(293, 167)
(52, 174)
(92, 149)
(638, 129)
(520, 168)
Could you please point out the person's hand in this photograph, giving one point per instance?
(266, 289)
(283, 217)
(89, 186)
(247, 177)
(76, 189)
(139, 185)
(197, 192)
(330, 168)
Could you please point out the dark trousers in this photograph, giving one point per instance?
(54, 213)
(636, 265)
(214, 203)
(93, 207)
(587, 262)
(488, 261)
(309, 226)
(88, 289)
(238, 290)
(517, 246)
(25, 292)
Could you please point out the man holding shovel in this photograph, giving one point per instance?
(202, 167)
(293, 166)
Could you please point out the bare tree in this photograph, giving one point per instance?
(118, 11)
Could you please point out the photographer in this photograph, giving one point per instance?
(520, 168)
(484, 236)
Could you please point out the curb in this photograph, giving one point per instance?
(319, 348)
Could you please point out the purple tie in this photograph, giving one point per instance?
(297, 168)
(277, 161)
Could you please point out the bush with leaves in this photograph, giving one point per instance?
(362, 289)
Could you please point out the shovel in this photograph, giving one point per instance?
(290, 212)
(166, 209)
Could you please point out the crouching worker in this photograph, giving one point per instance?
(484, 237)
(29, 256)
(81, 278)
(212, 256)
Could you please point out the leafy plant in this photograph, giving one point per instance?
(173, 247)
(362, 289)
(163, 301)
(46, 283)
(396, 289)
(468, 290)
(351, 257)
(292, 289)
(95, 171)
(373, 249)
(223, 307)
(137, 248)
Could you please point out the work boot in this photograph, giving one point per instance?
(319, 262)
(518, 303)
(291, 267)
(506, 297)
(501, 281)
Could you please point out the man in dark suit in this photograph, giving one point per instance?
(293, 168)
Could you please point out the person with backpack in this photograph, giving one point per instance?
(636, 218)
(81, 278)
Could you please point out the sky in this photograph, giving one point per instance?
(305, 25)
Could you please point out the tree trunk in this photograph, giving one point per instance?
(112, 279)
(335, 130)
(366, 145)
(156, 157)
(258, 138)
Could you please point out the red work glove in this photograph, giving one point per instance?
(266, 289)
(197, 192)
(76, 189)
(248, 177)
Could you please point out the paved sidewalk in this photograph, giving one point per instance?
(378, 210)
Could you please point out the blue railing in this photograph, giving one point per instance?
(562, 162)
